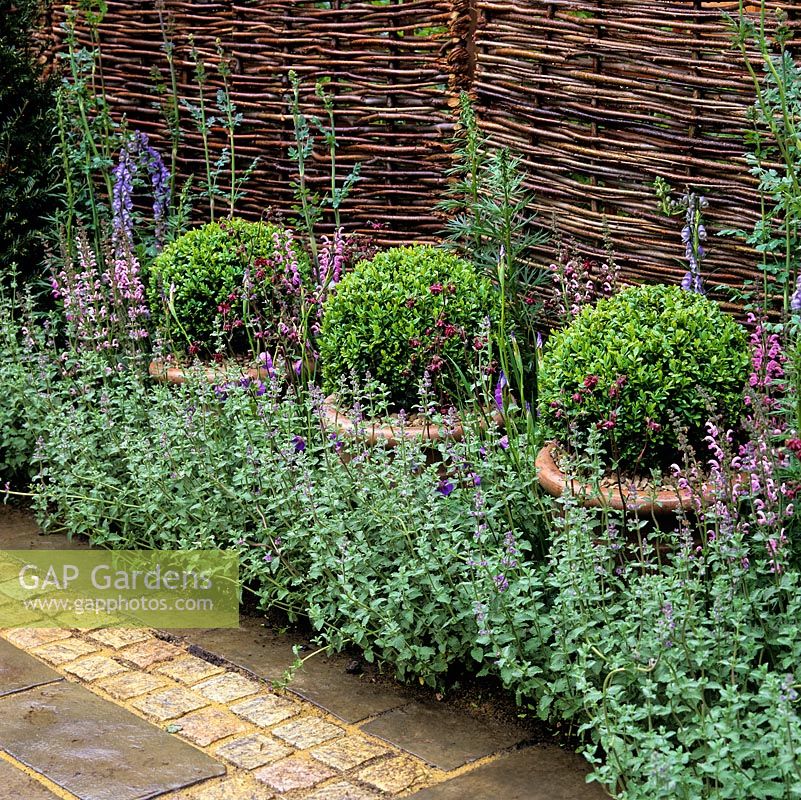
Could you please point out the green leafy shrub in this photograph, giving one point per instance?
(408, 311)
(27, 370)
(201, 273)
(638, 363)
(28, 170)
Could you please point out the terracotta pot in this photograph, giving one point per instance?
(647, 503)
(388, 431)
(214, 373)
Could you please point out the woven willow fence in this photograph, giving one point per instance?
(598, 96)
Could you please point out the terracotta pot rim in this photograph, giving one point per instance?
(666, 500)
(160, 370)
(336, 419)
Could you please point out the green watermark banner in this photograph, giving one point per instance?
(120, 588)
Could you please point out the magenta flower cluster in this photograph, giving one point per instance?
(742, 491)
(578, 282)
(767, 362)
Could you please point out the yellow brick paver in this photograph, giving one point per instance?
(274, 746)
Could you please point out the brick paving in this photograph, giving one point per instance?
(272, 745)
(185, 728)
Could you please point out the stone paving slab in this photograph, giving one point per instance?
(322, 680)
(293, 773)
(95, 749)
(65, 650)
(267, 710)
(543, 772)
(253, 751)
(26, 638)
(19, 531)
(395, 775)
(234, 788)
(131, 684)
(169, 704)
(343, 791)
(19, 671)
(445, 738)
(19, 786)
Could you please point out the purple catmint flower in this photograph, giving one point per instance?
(300, 443)
(503, 442)
(501, 582)
(788, 694)
(445, 488)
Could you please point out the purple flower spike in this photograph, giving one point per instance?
(445, 488)
(503, 442)
(267, 360)
(138, 152)
(795, 301)
(499, 387)
(692, 282)
(300, 443)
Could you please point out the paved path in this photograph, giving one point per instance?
(122, 714)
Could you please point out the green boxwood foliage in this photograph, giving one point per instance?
(203, 268)
(638, 363)
(407, 311)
